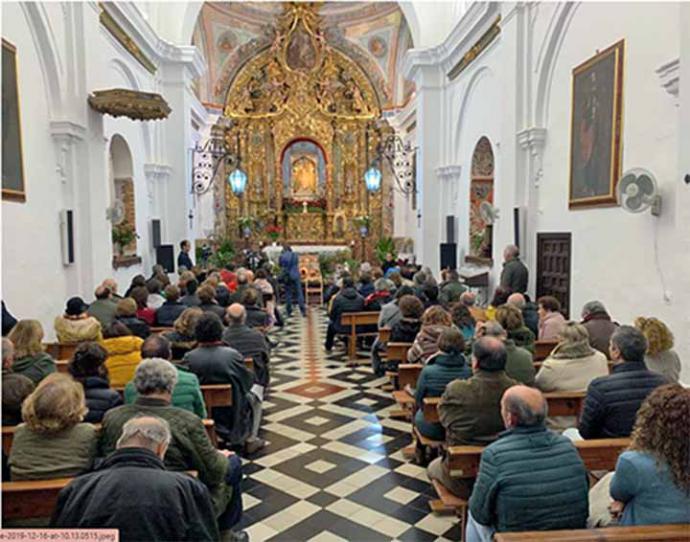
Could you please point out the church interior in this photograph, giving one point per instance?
(346, 270)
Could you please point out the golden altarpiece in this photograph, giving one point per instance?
(303, 114)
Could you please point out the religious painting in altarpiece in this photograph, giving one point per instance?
(302, 113)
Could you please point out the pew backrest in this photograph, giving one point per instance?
(62, 365)
(384, 335)
(542, 349)
(649, 533)
(408, 373)
(61, 350)
(597, 454)
(397, 351)
(216, 395)
(565, 403)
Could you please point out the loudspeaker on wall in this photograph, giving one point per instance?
(165, 256)
(449, 256)
(67, 236)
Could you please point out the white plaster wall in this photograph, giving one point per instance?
(64, 54)
(31, 251)
(613, 251)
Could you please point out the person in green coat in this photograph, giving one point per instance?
(519, 361)
(190, 447)
(187, 392)
(29, 358)
(530, 479)
(441, 369)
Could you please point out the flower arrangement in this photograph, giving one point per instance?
(362, 221)
(273, 231)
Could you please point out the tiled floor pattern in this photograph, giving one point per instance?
(333, 468)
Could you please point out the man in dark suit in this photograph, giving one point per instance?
(183, 259)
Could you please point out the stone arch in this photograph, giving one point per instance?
(546, 60)
(48, 53)
(480, 74)
(481, 190)
(121, 173)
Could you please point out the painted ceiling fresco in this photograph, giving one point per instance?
(373, 34)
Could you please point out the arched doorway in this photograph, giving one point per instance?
(481, 190)
(123, 209)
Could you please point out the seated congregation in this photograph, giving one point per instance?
(516, 412)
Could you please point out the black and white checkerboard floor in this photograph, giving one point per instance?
(333, 468)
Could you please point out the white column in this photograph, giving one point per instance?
(429, 78)
(178, 74)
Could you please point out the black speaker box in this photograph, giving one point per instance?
(156, 232)
(165, 256)
(449, 256)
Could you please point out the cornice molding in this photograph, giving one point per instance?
(157, 50)
(67, 129)
(476, 21)
(157, 171)
(533, 139)
(669, 75)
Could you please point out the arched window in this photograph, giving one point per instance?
(123, 215)
(481, 190)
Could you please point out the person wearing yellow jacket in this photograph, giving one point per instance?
(124, 353)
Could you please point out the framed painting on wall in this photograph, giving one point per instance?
(12, 159)
(596, 128)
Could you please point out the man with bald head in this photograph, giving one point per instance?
(469, 409)
(530, 479)
(248, 341)
(514, 276)
(133, 492)
(104, 307)
(528, 309)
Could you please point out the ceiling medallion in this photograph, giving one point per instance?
(133, 104)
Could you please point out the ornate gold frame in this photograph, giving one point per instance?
(609, 199)
(9, 194)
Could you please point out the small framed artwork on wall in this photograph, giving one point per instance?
(596, 128)
(12, 159)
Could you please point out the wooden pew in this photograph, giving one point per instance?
(216, 395)
(8, 434)
(649, 533)
(561, 403)
(61, 350)
(542, 349)
(408, 373)
(354, 319)
(565, 403)
(384, 335)
(35, 498)
(62, 365)
(397, 351)
(597, 454)
(161, 329)
(249, 364)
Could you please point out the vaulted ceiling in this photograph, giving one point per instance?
(374, 34)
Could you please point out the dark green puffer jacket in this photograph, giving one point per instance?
(439, 371)
(34, 367)
(531, 479)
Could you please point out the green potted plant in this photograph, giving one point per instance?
(122, 235)
(384, 246)
(363, 222)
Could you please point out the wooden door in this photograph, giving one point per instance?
(553, 267)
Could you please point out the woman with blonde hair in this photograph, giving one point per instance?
(434, 320)
(511, 319)
(30, 360)
(573, 364)
(53, 442)
(126, 313)
(183, 338)
(660, 356)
